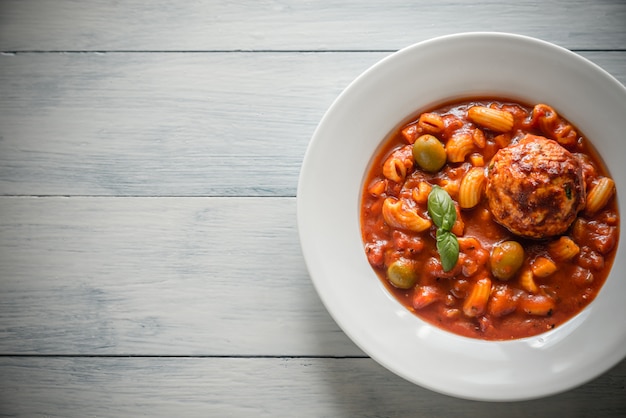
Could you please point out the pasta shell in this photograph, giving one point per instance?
(459, 146)
(476, 302)
(394, 169)
(543, 267)
(398, 216)
(540, 305)
(431, 123)
(527, 281)
(563, 249)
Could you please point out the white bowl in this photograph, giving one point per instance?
(329, 191)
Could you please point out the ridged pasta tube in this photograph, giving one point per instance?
(600, 194)
(398, 216)
(471, 188)
(494, 119)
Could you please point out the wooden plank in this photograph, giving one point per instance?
(261, 387)
(158, 276)
(163, 124)
(193, 124)
(296, 25)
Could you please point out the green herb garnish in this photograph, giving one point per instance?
(568, 191)
(448, 247)
(443, 213)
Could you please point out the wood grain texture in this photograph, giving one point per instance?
(156, 276)
(261, 387)
(149, 156)
(193, 124)
(297, 25)
(163, 124)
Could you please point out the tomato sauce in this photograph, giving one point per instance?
(559, 275)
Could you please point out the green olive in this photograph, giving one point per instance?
(506, 259)
(402, 274)
(429, 153)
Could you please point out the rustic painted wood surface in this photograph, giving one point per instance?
(149, 155)
(297, 25)
(192, 124)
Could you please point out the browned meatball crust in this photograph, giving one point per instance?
(535, 188)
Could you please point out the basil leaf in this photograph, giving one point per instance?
(448, 247)
(441, 208)
(443, 213)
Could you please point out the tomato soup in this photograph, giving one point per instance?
(490, 218)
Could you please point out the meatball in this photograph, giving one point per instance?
(535, 188)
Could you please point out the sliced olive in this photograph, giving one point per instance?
(506, 259)
(429, 153)
(402, 274)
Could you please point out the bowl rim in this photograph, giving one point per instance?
(311, 247)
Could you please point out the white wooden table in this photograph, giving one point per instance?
(149, 157)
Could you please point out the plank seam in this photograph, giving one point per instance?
(236, 51)
(183, 356)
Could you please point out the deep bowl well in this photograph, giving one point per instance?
(415, 79)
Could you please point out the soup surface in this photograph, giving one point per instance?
(489, 218)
